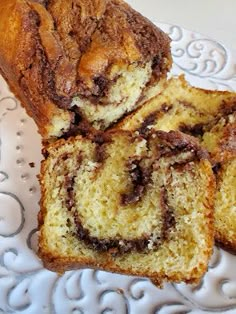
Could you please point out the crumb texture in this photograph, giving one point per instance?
(211, 117)
(144, 208)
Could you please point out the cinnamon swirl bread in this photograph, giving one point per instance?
(68, 60)
(220, 140)
(210, 116)
(128, 204)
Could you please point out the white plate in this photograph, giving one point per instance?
(26, 287)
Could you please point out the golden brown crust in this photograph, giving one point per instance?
(52, 51)
(223, 242)
(22, 60)
(223, 153)
(61, 265)
(226, 145)
(222, 238)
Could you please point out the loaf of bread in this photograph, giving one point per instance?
(73, 60)
(124, 203)
(210, 116)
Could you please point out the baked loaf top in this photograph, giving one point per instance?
(95, 50)
(210, 116)
(128, 204)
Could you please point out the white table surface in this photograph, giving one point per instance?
(214, 18)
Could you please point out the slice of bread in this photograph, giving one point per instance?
(210, 116)
(89, 60)
(128, 204)
(220, 140)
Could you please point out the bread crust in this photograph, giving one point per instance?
(51, 51)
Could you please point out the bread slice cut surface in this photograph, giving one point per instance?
(128, 204)
(211, 117)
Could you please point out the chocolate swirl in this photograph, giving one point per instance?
(140, 177)
(152, 118)
(169, 146)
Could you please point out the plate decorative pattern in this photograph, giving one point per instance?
(26, 287)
